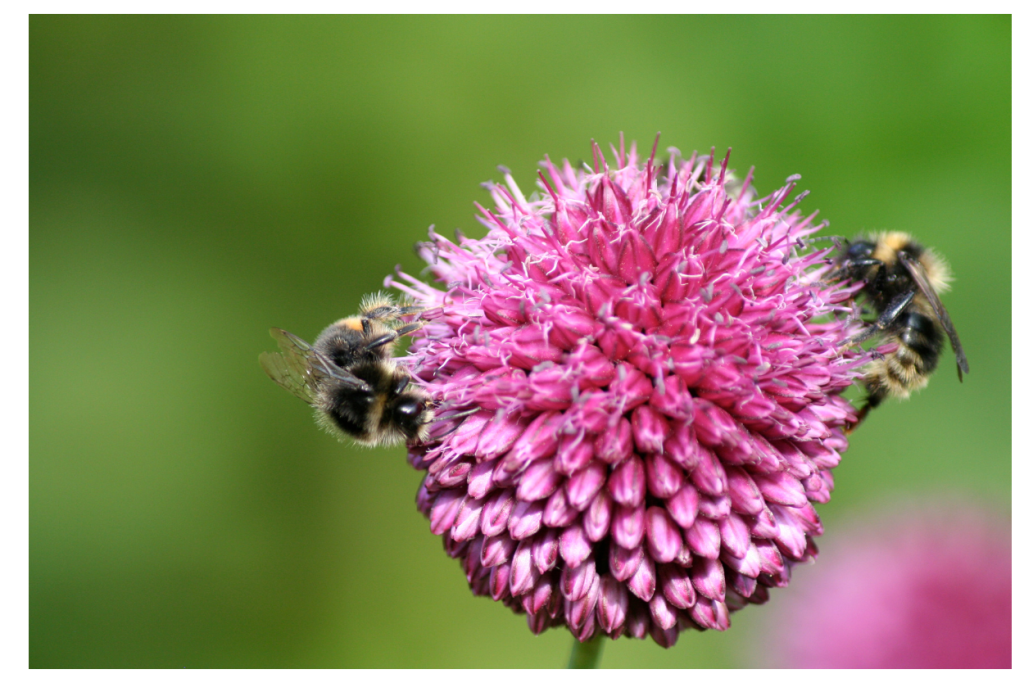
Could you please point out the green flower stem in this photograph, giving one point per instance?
(586, 654)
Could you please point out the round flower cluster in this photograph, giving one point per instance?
(638, 375)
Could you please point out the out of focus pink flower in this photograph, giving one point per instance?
(652, 396)
(926, 589)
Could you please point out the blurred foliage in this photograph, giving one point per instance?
(196, 180)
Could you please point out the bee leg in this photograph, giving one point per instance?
(858, 338)
(866, 262)
(408, 329)
(884, 320)
(401, 384)
(842, 271)
(861, 415)
(895, 309)
(381, 340)
(388, 338)
(876, 395)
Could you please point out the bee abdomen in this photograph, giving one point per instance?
(904, 372)
(353, 413)
(920, 343)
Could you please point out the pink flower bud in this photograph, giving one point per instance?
(624, 562)
(574, 454)
(545, 550)
(468, 520)
(494, 517)
(714, 507)
(498, 436)
(663, 539)
(612, 603)
(683, 505)
(538, 481)
(626, 483)
(663, 614)
(643, 581)
(525, 519)
(557, 511)
(497, 550)
(708, 578)
(598, 517)
(445, 509)
(673, 399)
(628, 525)
(664, 478)
(574, 546)
(584, 485)
(650, 429)
(744, 493)
(522, 576)
(782, 489)
(703, 537)
(616, 443)
(735, 535)
(576, 581)
(499, 581)
(677, 586)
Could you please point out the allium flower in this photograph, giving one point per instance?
(925, 590)
(654, 403)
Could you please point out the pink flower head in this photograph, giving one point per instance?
(925, 590)
(651, 402)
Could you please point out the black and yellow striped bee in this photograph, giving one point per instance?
(902, 282)
(349, 376)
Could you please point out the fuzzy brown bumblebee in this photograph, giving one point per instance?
(901, 282)
(349, 377)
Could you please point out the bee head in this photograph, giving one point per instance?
(859, 250)
(411, 413)
(857, 261)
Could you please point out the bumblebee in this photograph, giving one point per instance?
(349, 377)
(902, 282)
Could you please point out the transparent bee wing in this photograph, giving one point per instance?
(322, 368)
(300, 368)
(921, 279)
(281, 371)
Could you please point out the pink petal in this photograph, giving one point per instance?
(445, 510)
(628, 526)
(584, 485)
(525, 519)
(683, 505)
(643, 581)
(626, 483)
(574, 546)
(613, 600)
(703, 537)
(664, 478)
(598, 517)
(663, 539)
(676, 585)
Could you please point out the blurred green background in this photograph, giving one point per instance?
(194, 181)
